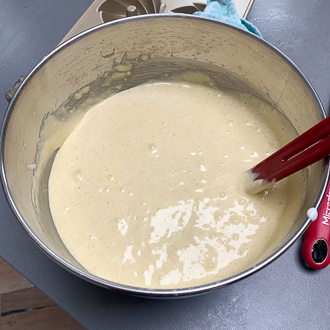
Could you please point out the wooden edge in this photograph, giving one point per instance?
(24, 299)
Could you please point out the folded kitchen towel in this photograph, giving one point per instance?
(225, 11)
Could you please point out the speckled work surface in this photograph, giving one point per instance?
(285, 295)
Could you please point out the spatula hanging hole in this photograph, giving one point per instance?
(320, 251)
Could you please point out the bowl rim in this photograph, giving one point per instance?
(145, 292)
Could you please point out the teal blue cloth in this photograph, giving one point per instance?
(225, 11)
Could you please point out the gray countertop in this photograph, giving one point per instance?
(284, 295)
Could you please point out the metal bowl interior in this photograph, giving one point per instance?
(167, 43)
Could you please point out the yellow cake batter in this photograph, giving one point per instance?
(147, 189)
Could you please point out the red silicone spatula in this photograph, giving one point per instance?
(305, 150)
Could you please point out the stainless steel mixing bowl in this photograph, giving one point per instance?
(153, 44)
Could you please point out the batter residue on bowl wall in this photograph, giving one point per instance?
(146, 190)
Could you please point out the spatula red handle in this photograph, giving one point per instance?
(315, 249)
